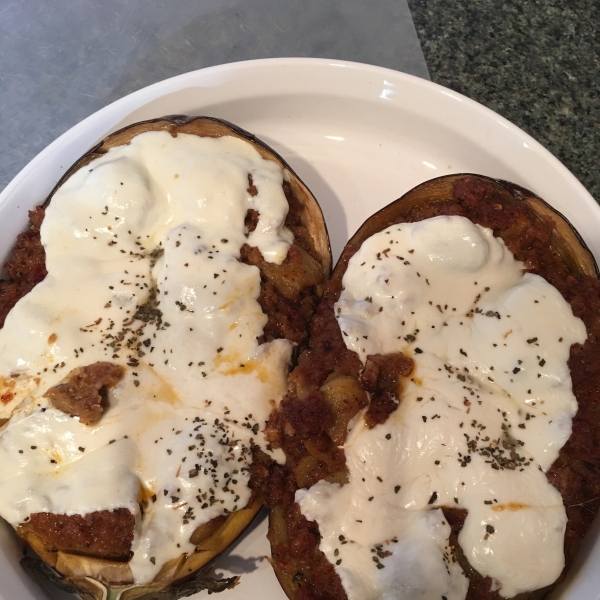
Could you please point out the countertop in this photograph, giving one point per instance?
(537, 63)
(63, 60)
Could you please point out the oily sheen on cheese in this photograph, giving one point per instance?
(486, 410)
(142, 250)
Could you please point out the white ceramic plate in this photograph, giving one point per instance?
(359, 136)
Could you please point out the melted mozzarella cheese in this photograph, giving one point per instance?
(142, 250)
(481, 418)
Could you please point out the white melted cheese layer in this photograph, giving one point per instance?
(482, 418)
(156, 223)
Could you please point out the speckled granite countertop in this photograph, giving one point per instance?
(537, 63)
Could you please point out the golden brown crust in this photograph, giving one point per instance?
(106, 534)
(84, 391)
(26, 266)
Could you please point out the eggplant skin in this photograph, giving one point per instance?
(87, 590)
(97, 578)
(548, 245)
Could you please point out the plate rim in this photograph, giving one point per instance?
(154, 91)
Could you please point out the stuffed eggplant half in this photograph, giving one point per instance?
(441, 431)
(150, 314)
